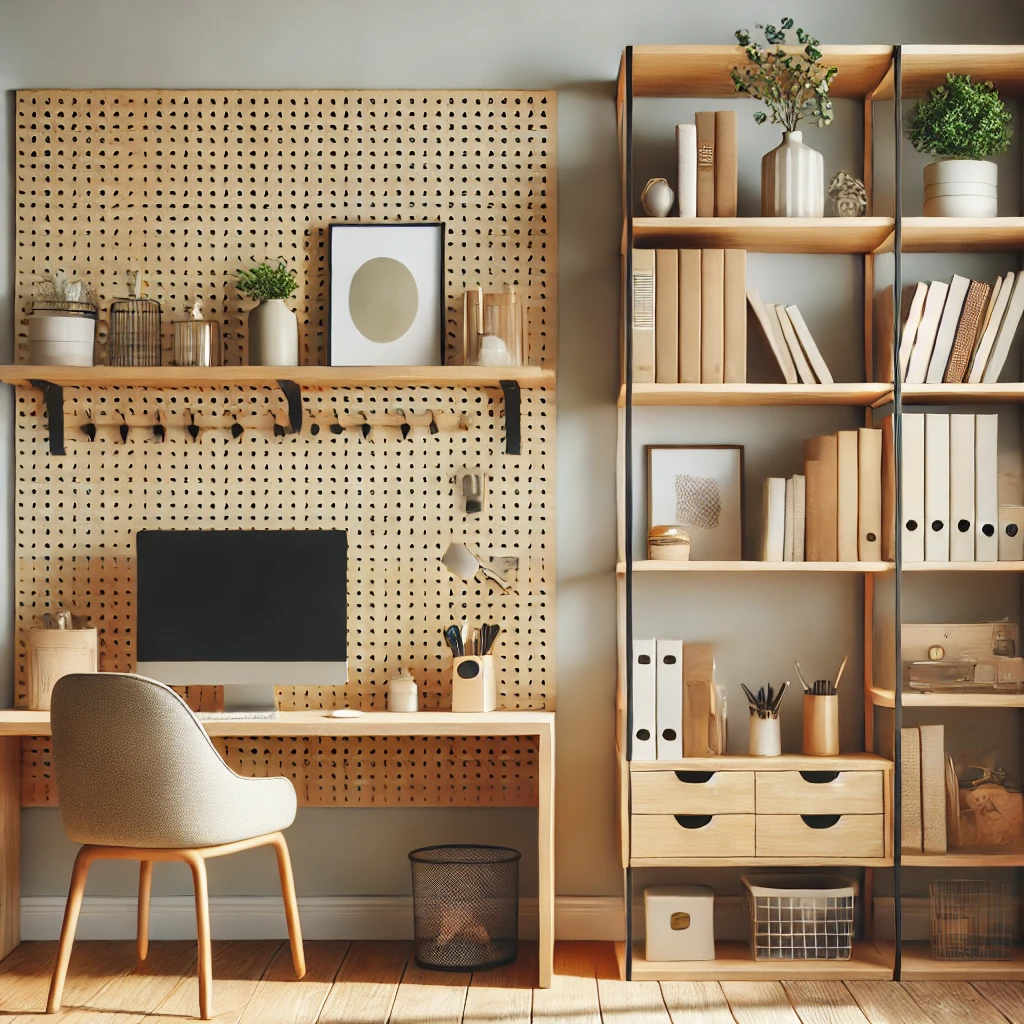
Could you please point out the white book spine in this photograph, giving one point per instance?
(788, 551)
(925, 343)
(961, 488)
(944, 337)
(909, 332)
(686, 151)
(936, 486)
(912, 483)
(986, 487)
(1007, 332)
(803, 367)
(774, 519)
(800, 516)
(645, 719)
(670, 699)
(810, 347)
(1000, 300)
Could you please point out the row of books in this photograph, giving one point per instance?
(708, 167)
(960, 332)
(928, 781)
(949, 477)
(790, 341)
(834, 510)
(689, 316)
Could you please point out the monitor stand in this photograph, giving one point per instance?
(257, 699)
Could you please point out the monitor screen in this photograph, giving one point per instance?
(240, 595)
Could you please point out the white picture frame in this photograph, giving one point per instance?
(386, 295)
(699, 487)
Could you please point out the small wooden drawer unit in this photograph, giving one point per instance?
(818, 792)
(693, 835)
(697, 792)
(850, 836)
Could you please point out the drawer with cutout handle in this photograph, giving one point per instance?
(693, 835)
(847, 836)
(693, 792)
(819, 792)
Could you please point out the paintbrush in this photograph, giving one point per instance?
(839, 674)
(800, 676)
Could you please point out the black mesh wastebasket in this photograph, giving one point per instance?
(466, 905)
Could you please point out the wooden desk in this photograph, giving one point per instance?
(14, 724)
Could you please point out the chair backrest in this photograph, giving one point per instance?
(132, 763)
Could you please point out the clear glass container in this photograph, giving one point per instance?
(134, 338)
(493, 327)
(197, 343)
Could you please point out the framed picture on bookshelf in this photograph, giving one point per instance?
(387, 295)
(699, 487)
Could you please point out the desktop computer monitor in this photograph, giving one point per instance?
(246, 609)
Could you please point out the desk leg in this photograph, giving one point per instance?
(546, 855)
(10, 843)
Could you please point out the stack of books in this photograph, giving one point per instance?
(950, 487)
(833, 512)
(958, 332)
(708, 166)
(791, 343)
(924, 770)
(689, 316)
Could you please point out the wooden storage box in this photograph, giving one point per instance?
(53, 653)
(819, 792)
(689, 792)
(693, 835)
(680, 922)
(846, 836)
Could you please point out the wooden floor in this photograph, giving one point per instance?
(377, 983)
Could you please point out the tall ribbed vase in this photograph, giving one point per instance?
(793, 180)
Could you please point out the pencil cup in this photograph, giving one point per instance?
(765, 737)
(473, 684)
(53, 653)
(821, 725)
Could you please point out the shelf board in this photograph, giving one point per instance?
(912, 699)
(703, 71)
(758, 394)
(963, 566)
(267, 376)
(759, 862)
(834, 235)
(962, 394)
(754, 566)
(734, 962)
(918, 965)
(924, 67)
(962, 234)
(784, 762)
(965, 859)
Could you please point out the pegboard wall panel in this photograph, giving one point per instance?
(357, 772)
(191, 185)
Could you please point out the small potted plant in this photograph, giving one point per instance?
(961, 122)
(794, 86)
(273, 329)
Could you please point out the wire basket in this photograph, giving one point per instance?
(134, 338)
(800, 917)
(969, 920)
(466, 906)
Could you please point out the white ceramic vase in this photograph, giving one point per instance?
(273, 335)
(793, 180)
(765, 737)
(960, 188)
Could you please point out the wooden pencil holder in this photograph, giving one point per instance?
(821, 724)
(474, 687)
(53, 653)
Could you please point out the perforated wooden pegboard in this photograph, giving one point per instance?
(105, 181)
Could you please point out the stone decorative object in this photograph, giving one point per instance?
(848, 194)
(793, 180)
(657, 198)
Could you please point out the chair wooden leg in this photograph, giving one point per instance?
(145, 888)
(67, 932)
(198, 866)
(291, 906)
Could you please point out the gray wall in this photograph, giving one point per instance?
(574, 48)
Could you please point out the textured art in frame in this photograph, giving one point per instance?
(699, 487)
(387, 295)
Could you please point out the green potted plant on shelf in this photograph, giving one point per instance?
(273, 328)
(961, 122)
(794, 86)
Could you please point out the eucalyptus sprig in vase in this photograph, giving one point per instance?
(273, 328)
(794, 86)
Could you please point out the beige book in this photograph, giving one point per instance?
(643, 316)
(726, 164)
(810, 347)
(689, 316)
(803, 368)
(790, 521)
(847, 497)
(705, 163)
(666, 316)
(910, 798)
(933, 788)
(698, 681)
(869, 494)
(734, 317)
(986, 318)
(967, 331)
(772, 333)
(994, 319)
(821, 469)
(799, 516)
(914, 306)
(888, 492)
(883, 330)
(712, 324)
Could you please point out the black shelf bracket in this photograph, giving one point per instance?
(293, 393)
(513, 418)
(53, 395)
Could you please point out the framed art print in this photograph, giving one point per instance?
(699, 487)
(387, 295)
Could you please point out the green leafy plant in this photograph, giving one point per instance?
(792, 85)
(961, 119)
(268, 282)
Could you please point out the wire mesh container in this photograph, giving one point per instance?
(134, 338)
(969, 920)
(800, 917)
(466, 906)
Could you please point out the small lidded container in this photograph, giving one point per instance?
(668, 544)
(196, 341)
(403, 693)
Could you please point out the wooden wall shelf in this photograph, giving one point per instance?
(754, 566)
(963, 234)
(918, 965)
(757, 394)
(963, 566)
(976, 858)
(962, 394)
(925, 67)
(785, 762)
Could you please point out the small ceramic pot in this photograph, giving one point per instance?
(273, 335)
(403, 693)
(657, 198)
(960, 188)
(793, 179)
(765, 737)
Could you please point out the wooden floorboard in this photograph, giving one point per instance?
(1006, 996)
(573, 993)
(759, 1002)
(823, 1002)
(430, 997)
(365, 988)
(953, 1002)
(504, 995)
(280, 998)
(886, 1002)
(696, 1002)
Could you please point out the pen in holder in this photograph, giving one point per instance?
(765, 734)
(821, 714)
(474, 687)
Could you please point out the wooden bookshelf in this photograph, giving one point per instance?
(925, 67)
(919, 965)
(884, 698)
(962, 394)
(757, 394)
(963, 234)
(754, 566)
(995, 857)
(963, 567)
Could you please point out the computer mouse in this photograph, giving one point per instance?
(346, 713)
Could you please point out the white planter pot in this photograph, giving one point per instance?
(960, 188)
(793, 180)
(61, 340)
(273, 335)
